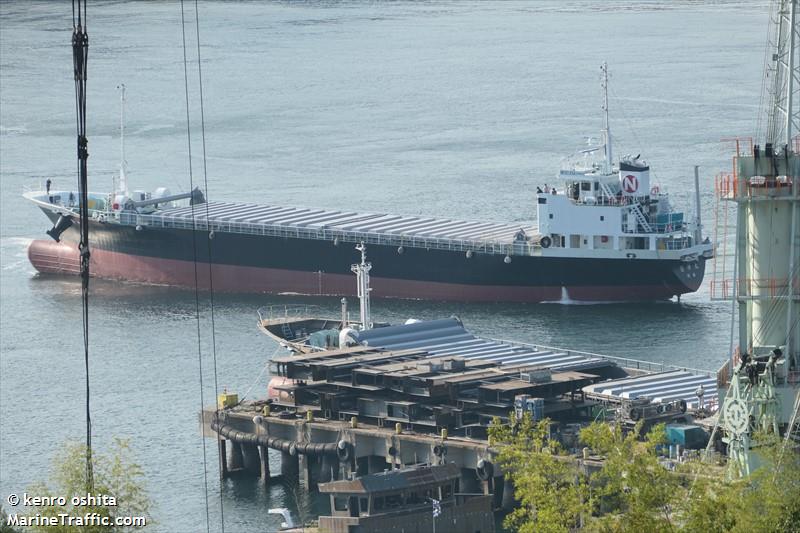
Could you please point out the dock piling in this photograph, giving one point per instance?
(289, 465)
(263, 453)
(223, 458)
(251, 460)
(235, 457)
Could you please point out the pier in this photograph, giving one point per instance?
(426, 393)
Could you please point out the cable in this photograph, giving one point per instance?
(194, 252)
(630, 126)
(208, 237)
(258, 378)
(80, 55)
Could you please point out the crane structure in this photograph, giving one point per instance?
(763, 378)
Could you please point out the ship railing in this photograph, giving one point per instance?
(287, 312)
(743, 146)
(729, 186)
(517, 247)
(39, 184)
(756, 288)
(623, 362)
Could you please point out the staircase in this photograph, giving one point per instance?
(607, 192)
(636, 210)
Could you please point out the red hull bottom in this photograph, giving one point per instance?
(50, 257)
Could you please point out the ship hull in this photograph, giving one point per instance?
(260, 264)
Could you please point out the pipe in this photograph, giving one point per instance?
(312, 449)
(196, 195)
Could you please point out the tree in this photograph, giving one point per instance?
(632, 490)
(546, 482)
(115, 475)
(4, 527)
(768, 500)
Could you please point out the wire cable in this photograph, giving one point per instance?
(80, 55)
(194, 252)
(208, 236)
(260, 374)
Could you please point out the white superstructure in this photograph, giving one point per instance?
(613, 210)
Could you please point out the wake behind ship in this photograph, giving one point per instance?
(605, 235)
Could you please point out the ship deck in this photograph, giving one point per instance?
(376, 228)
(448, 337)
(438, 340)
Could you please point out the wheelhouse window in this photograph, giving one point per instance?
(447, 491)
(340, 503)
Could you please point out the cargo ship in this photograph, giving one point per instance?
(603, 235)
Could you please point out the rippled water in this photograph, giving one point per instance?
(437, 108)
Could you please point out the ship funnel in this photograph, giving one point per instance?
(62, 224)
(634, 177)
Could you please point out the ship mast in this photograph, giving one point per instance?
(608, 166)
(361, 271)
(123, 164)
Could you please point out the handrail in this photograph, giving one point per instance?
(518, 248)
(730, 187)
(276, 311)
(680, 240)
(336, 235)
(766, 287)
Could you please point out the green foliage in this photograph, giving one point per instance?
(768, 500)
(4, 527)
(114, 475)
(632, 492)
(546, 482)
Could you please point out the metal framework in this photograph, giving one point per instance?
(783, 119)
(765, 186)
(361, 270)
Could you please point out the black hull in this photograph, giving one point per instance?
(256, 263)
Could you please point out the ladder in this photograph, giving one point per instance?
(286, 329)
(607, 192)
(723, 286)
(637, 212)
